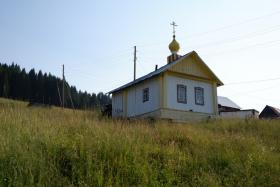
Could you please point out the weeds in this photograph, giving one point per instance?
(54, 147)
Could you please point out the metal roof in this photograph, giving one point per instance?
(159, 71)
(150, 75)
(276, 110)
(224, 101)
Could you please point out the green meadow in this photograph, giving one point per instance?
(55, 147)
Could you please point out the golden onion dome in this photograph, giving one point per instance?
(174, 45)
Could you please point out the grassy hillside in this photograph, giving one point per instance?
(52, 147)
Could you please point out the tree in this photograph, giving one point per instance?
(43, 88)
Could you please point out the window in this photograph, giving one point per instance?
(181, 93)
(199, 95)
(145, 95)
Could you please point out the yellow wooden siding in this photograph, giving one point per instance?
(191, 66)
(187, 76)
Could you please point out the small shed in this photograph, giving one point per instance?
(270, 112)
(241, 114)
(227, 105)
(229, 109)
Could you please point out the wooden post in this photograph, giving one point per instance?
(63, 80)
(134, 76)
(58, 93)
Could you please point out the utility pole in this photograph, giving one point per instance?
(134, 76)
(58, 93)
(63, 82)
(135, 58)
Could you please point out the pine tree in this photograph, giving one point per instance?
(43, 88)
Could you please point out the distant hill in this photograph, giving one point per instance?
(39, 87)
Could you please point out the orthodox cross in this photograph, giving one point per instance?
(174, 25)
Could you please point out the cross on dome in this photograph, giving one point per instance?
(174, 25)
(174, 45)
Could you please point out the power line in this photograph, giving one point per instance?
(118, 55)
(229, 26)
(89, 76)
(271, 42)
(195, 35)
(105, 58)
(257, 45)
(240, 37)
(252, 81)
(237, 24)
(257, 90)
(126, 51)
(254, 98)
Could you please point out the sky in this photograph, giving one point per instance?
(239, 40)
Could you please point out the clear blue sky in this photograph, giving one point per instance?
(239, 40)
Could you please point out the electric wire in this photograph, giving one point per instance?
(238, 38)
(252, 81)
(257, 45)
(195, 35)
(237, 24)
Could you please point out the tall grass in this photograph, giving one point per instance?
(54, 147)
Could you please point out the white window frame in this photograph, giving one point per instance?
(146, 95)
(181, 88)
(199, 96)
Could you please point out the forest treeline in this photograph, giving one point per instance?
(39, 87)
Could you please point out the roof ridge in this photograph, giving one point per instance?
(161, 70)
(276, 110)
